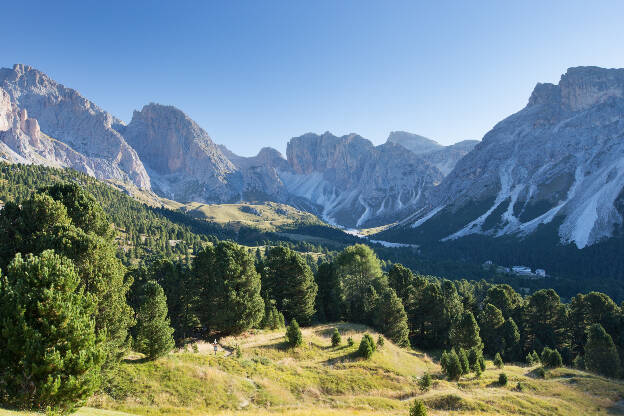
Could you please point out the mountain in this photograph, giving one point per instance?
(183, 161)
(558, 163)
(414, 142)
(442, 157)
(83, 128)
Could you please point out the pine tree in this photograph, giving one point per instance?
(511, 337)
(453, 366)
(465, 333)
(390, 318)
(287, 278)
(229, 289)
(293, 334)
(154, 333)
(50, 355)
(463, 360)
(367, 346)
(336, 339)
(498, 361)
(418, 408)
(490, 322)
(601, 355)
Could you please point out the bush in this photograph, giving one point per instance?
(451, 366)
(380, 341)
(367, 347)
(540, 372)
(498, 361)
(293, 334)
(335, 338)
(350, 342)
(239, 353)
(579, 362)
(424, 383)
(482, 363)
(418, 408)
(473, 358)
(502, 379)
(463, 360)
(551, 358)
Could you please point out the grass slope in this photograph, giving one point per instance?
(267, 216)
(318, 379)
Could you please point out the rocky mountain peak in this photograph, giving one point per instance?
(414, 142)
(64, 114)
(580, 88)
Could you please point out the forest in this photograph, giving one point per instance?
(74, 302)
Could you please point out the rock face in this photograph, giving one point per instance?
(559, 160)
(62, 113)
(21, 141)
(354, 183)
(442, 157)
(183, 161)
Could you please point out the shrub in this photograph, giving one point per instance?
(424, 383)
(367, 347)
(463, 360)
(335, 338)
(473, 358)
(380, 341)
(452, 366)
(502, 379)
(540, 372)
(239, 353)
(293, 334)
(579, 362)
(195, 348)
(350, 342)
(551, 358)
(498, 361)
(529, 359)
(482, 363)
(418, 408)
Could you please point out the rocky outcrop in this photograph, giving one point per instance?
(183, 161)
(354, 183)
(414, 142)
(559, 161)
(67, 116)
(21, 141)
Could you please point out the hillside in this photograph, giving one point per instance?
(318, 379)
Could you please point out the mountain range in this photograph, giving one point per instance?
(558, 162)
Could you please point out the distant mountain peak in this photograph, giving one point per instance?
(414, 142)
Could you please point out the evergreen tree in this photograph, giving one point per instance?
(335, 338)
(490, 323)
(463, 360)
(390, 318)
(465, 333)
(273, 319)
(367, 346)
(154, 333)
(50, 355)
(229, 289)
(400, 278)
(601, 356)
(42, 223)
(498, 361)
(418, 408)
(511, 338)
(357, 268)
(474, 355)
(424, 383)
(287, 278)
(293, 334)
(551, 358)
(452, 366)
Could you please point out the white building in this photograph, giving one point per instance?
(540, 272)
(522, 270)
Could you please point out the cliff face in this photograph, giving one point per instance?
(182, 159)
(62, 113)
(559, 159)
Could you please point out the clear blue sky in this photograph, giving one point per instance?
(256, 73)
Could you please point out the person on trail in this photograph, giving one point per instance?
(215, 346)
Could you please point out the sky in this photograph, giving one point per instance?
(256, 73)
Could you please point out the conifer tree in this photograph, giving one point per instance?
(229, 289)
(293, 334)
(287, 278)
(335, 338)
(601, 355)
(465, 333)
(367, 346)
(498, 361)
(154, 333)
(50, 355)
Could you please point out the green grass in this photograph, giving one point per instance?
(317, 379)
(266, 216)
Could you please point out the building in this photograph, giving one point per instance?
(522, 270)
(540, 272)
